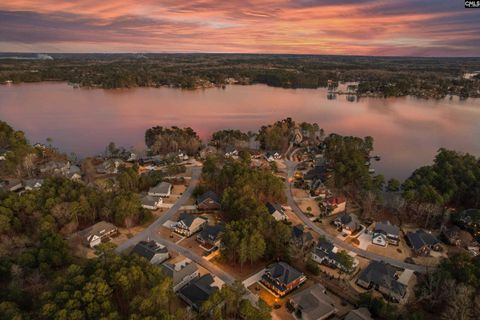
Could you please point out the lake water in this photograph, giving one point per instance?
(407, 131)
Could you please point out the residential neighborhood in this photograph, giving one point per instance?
(274, 227)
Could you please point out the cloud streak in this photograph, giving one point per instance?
(360, 27)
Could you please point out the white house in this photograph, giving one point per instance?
(94, 235)
(31, 184)
(151, 202)
(386, 233)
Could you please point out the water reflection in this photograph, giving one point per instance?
(407, 131)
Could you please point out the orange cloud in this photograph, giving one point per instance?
(303, 26)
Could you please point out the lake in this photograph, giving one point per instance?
(407, 131)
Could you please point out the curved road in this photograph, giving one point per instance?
(339, 243)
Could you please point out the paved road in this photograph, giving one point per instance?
(151, 230)
(151, 233)
(339, 243)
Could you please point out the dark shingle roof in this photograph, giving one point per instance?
(387, 228)
(272, 207)
(382, 274)
(209, 194)
(211, 232)
(198, 291)
(283, 273)
(421, 238)
(148, 249)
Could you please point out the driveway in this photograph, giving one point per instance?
(339, 243)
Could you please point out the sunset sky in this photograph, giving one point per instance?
(353, 27)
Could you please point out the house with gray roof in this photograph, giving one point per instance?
(313, 303)
(101, 231)
(151, 202)
(12, 185)
(151, 250)
(209, 237)
(198, 291)
(326, 253)
(386, 233)
(422, 242)
(359, 314)
(189, 224)
(31, 184)
(348, 223)
(383, 277)
(300, 237)
(163, 189)
(181, 269)
(282, 278)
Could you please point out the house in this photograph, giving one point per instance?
(151, 250)
(151, 202)
(163, 189)
(181, 269)
(282, 278)
(231, 152)
(313, 303)
(359, 314)
(189, 224)
(97, 233)
(12, 185)
(55, 167)
(386, 233)
(208, 201)
(199, 290)
(74, 173)
(422, 242)
(326, 253)
(109, 166)
(3, 154)
(383, 277)
(301, 238)
(452, 235)
(348, 223)
(210, 236)
(315, 174)
(335, 205)
(272, 156)
(276, 211)
(31, 184)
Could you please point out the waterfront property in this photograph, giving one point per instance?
(348, 223)
(313, 303)
(422, 242)
(335, 205)
(151, 250)
(281, 278)
(386, 233)
(359, 314)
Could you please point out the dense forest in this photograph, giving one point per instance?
(378, 76)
